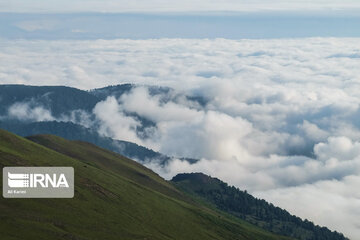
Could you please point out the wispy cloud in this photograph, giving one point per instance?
(28, 111)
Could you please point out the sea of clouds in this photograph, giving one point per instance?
(281, 118)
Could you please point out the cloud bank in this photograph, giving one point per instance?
(279, 117)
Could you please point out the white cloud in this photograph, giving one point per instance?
(281, 117)
(214, 135)
(341, 148)
(78, 116)
(332, 203)
(142, 103)
(207, 134)
(29, 112)
(312, 131)
(113, 122)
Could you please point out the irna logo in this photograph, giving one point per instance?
(21, 180)
(38, 182)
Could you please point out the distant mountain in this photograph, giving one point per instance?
(58, 99)
(63, 102)
(240, 204)
(119, 90)
(67, 107)
(115, 198)
(73, 131)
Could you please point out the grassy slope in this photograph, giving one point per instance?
(115, 198)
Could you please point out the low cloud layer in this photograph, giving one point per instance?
(280, 118)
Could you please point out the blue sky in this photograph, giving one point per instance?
(235, 25)
(144, 19)
(172, 5)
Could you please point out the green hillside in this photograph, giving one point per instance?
(115, 198)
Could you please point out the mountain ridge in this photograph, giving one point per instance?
(220, 195)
